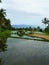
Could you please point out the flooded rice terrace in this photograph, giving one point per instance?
(25, 52)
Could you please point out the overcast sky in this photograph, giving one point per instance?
(26, 11)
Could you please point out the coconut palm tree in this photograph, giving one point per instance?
(4, 22)
(2, 13)
(45, 21)
(2, 17)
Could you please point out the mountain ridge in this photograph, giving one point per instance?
(23, 26)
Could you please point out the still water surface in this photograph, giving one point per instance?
(26, 52)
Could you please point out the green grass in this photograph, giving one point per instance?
(46, 33)
(5, 34)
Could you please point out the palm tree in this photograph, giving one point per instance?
(4, 22)
(2, 13)
(48, 23)
(8, 24)
(2, 17)
(45, 21)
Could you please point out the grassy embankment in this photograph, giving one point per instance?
(44, 36)
(40, 35)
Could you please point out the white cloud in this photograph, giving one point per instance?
(40, 7)
(31, 6)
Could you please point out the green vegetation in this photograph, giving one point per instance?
(5, 34)
(46, 22)
(24, 31)
(4, 22)
(20, 33)
(3, 38)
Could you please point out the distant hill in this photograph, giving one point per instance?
(22, 26)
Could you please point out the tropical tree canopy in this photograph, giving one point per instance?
(4, 22)
(45, 21)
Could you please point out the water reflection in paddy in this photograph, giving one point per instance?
(27, 37)
(26, 52)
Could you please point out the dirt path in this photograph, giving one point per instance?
(41, 36)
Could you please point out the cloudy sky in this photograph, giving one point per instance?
(29, 12)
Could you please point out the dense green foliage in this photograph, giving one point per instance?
(4, 22)
(46, 22)
(3, 38)
(46, 30)
(20, 33)
(5, 34)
